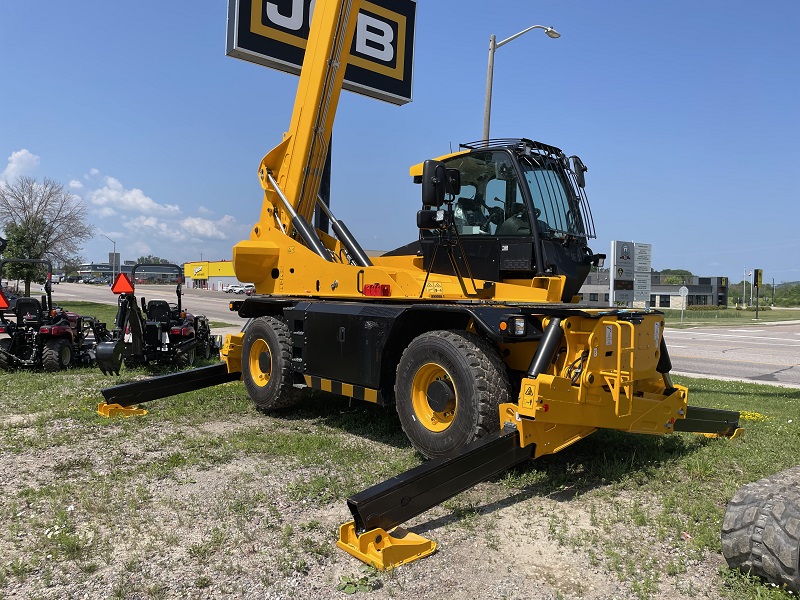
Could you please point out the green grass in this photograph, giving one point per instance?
(98, 485)
(728, 317)
(105, 313)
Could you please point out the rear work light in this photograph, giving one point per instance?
(377, 289)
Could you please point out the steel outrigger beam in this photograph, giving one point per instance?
(373, 536)
(120, 398)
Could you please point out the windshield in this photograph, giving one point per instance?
(490, 201)
(557, 211)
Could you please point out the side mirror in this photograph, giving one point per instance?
(434, 179)
(453, 182)
(579, 169)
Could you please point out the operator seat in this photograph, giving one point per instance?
(28, 312)
(468, 213)
(159, 312)
(517, 223)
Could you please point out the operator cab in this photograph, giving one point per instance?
(519, 212)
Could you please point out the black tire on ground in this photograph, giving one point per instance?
(761, 529)
(448, 387)
(57, 355)
(5, 344)
(266, 364)
(185, 359)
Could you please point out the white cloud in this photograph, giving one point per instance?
(204, 211)
(21, 162)
(115, 196)
(105, 211)
(75, 184)
(203, 228)
(151, 226)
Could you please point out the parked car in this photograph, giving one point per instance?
(249, 289)
(234, 288)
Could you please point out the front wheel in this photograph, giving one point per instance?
(57, 355)
(448, 387)
(266, 364)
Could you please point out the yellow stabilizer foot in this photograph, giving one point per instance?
(737, 433)
(381, 549)
(115, 410)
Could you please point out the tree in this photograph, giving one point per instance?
(42, 220)
(22, 245)
(152, 259)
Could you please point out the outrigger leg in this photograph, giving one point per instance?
(373, 536)
(120, 399)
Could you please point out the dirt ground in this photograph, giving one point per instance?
(93, 516)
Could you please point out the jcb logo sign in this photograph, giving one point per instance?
(274, 33)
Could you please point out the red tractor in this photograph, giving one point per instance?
(159, 332)
(37, 334)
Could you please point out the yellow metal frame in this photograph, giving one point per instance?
(115, 410)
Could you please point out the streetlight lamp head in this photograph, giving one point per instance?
(552, 33)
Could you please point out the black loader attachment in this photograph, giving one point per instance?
(155, 332)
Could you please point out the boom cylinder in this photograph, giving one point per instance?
(350, 243)
(548, 346)
(302, 226)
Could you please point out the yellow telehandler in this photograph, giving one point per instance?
(473, 332)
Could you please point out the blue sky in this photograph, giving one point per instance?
(686, 113)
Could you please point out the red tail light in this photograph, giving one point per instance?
(377, 289)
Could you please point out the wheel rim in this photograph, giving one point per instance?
(433, 420)
(260, 363)
(66, 355)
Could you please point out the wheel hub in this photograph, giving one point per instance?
(440, 395)
(433, 397)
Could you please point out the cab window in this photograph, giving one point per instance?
(490, 201)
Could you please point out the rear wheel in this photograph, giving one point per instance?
(448, 387)
(186, 359)
(5, 344)
(266, 364)
(57, 355)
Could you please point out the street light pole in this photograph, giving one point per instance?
(113, 258)
(494, 45)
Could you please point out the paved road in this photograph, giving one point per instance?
(763, 354)
(213, 305)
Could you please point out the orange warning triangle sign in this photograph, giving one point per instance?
(122, 285)
(3, 302)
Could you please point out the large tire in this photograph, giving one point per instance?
(761, 529)
(448, 387)
(266, 364)
(5, 344)
(57, 355)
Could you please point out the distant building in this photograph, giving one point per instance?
(703, 291)
(210, 275)
(153, 274)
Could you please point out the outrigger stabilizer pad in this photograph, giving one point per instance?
(115, 410)
(384, 550)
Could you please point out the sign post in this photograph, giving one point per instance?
(757, 276)
(684, 291)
